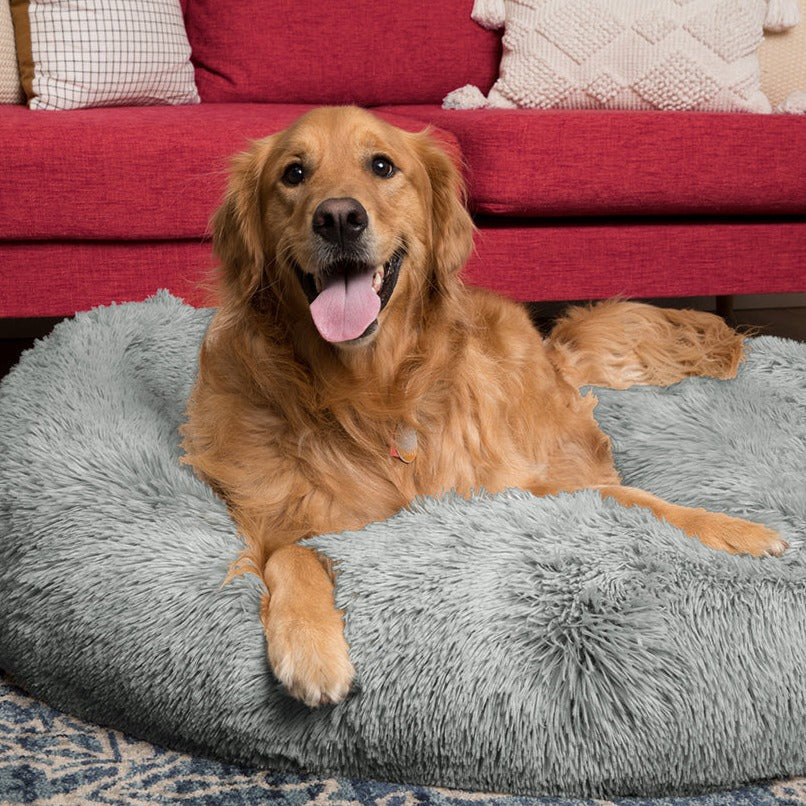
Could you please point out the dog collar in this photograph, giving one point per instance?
(403, 444)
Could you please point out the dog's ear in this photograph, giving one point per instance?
(238, 234)
(450, 223)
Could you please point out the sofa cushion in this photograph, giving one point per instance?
(58, 278)
(135, 173)
(369, 52)
(523, 260)
(636, 257)
(584, 163)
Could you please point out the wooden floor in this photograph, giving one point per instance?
(786, 322)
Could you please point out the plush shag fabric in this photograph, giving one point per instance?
(560, 645)
(47, 757)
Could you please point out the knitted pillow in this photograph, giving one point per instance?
(626, 54)
(80, 53)
(10, 89)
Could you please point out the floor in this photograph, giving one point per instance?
(787, 322)
(19, 335)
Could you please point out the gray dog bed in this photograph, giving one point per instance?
(560, 645)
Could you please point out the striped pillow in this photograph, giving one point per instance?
(80, 53)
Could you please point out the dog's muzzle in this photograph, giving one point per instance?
(346, 296)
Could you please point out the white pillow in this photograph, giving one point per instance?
(625, 54)
(10, 89)
(80, 53)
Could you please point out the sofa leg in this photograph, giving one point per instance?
(724, 308)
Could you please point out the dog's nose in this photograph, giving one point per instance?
(340, 221)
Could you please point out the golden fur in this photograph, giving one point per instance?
(294, 432)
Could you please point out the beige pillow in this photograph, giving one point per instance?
(10, 89)
(783, 61)
(625, 54)
(79, 53)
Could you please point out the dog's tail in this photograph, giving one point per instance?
(620, 344)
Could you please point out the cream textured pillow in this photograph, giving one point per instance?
(625, 54)
(10, 89)
(783, 62)
(80, 53)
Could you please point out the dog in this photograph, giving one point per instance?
(348, 370)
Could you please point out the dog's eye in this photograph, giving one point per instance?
(294, 174)
(383, 167)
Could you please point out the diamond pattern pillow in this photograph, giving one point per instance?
(79, 53)
(624, 54)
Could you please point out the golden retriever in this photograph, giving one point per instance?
(348, 370)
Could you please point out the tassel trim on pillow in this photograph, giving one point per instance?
(490, 14)
(467, 97)
(781, 14)
(795, 103)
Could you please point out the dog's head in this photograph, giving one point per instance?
(340, 218)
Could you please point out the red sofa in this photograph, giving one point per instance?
(111, 204)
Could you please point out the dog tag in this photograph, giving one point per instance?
(404, 443)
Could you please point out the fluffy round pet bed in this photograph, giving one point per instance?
(561, 645)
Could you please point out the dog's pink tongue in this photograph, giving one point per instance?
(346, 307)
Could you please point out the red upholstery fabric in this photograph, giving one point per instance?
(131, 173)
(54, 278)
(529, 261)
(365, 51)
(519, 259)
(159, 172)
(111, 204)
(583, 163)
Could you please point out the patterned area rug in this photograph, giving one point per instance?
(47, 757)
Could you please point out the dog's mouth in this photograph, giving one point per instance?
(346, 297)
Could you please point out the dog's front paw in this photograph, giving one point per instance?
(739, 536)
(759, 540)
(307, 652)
